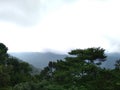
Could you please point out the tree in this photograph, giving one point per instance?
(3, 53)
(90, 54)
(3, 49)
(12, 70)
(77, 68)
(80, 70)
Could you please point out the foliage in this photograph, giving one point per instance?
(12, 70)
(79, 71)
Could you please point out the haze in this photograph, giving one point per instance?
(59, 25)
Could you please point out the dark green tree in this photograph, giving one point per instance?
(81, 65)
(89, 54)
(12, 70)
(3, 53)
(3, 49)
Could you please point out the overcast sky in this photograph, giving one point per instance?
(59, 25)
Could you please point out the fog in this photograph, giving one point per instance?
(27, 12)
(59, 25)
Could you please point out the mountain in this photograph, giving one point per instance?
(40, 60)
(37, 59)
(110, 61)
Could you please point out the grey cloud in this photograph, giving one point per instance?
(27, 12)
(24, 12)
(114, 43)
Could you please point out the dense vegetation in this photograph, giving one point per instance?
(80, 71)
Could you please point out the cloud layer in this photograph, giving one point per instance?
(27, 12)
(24, 12)
(60, 25)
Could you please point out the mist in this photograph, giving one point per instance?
(27, 12)
(23, 12)
(59, 25)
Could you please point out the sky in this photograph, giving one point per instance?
(59, 25)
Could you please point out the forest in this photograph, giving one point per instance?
(79, 71)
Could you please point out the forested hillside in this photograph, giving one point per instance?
(37, 59)
(41, 60)
(79, 71)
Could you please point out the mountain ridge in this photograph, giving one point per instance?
(41, 59)
(38, 59)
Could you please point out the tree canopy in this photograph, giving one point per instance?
(80, 70)
(12, 70)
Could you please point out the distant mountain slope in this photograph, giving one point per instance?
(111, 59)
(37, 59)
(40, 60)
